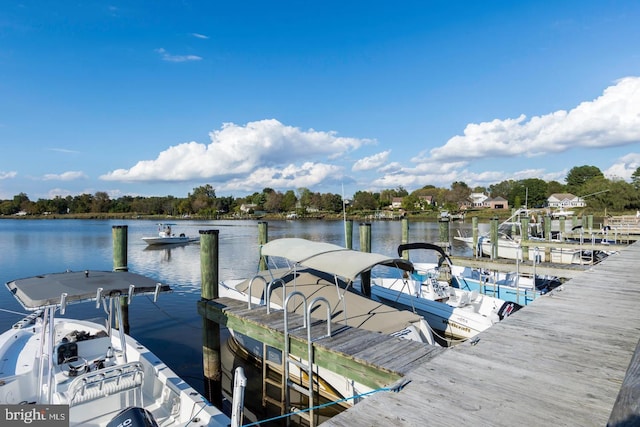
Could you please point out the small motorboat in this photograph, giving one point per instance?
(457, 313)
(100, 375)
(166, 236)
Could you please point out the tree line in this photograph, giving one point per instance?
(588, 182)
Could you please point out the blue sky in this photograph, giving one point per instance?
(155, 98)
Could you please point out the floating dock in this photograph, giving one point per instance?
(375, 360)
(560, 361)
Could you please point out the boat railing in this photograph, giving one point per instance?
(104, 382)
(249, 294)
(267, 297)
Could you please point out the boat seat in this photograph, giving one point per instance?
(104, 382)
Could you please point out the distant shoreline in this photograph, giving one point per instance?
(483, 216)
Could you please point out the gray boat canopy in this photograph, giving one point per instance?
(330, 258)
(47, 289)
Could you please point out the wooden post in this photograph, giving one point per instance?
(444, 231)
(547, 228)
(524, 227)
(263, 238)
(561, 221)
(365, 246)
(119, 233)
(120, 237)
(494, 238)
(547, 237)
(405, 236)
(209, 267)
(474, 227)
(348, 233)
(590, 222)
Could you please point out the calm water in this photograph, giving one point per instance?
(171, 328)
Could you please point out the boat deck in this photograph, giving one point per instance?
(560, 361)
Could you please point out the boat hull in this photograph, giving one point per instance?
(92, 376)
(461, 323)
(173, 240)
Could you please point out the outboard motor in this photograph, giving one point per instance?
(507, 309)
(133, 417)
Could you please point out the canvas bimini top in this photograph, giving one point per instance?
(79, 286)
(330, 258)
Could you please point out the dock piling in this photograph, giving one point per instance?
(365, 246)
(120, 242)
(211, 358)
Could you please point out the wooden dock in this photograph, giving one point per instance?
(370, 358)
(560, 361)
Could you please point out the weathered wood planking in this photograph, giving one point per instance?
(560, 361)
(373, 359)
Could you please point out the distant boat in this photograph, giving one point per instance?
(561, 213)
(510, 236)
(166, 236)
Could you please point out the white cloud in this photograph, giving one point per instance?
(371, 162)
(199, 36)
(624, 167)
(8, 175)
(66, 176)
(262, 151)
(166, 56)
(64, 150)
(613, 119)
(306, 175)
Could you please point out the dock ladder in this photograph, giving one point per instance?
(304, 366)
(272, 363)
(279, 362)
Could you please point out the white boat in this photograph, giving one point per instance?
(102, 376)
(509, 286)
(510, 235)
(327, 271)
(166, 236)
(561, 213)
(456, 313)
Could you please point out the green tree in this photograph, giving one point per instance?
(100, 202)
(554, 187)
(273, 202)
(289, 201)
(635, 179)
(532, 190)
(579, 175)
(331, 202)
(503, 189)
(364, 200)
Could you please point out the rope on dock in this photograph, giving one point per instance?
(394, 388)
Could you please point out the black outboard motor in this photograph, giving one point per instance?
(507, 309)
(133, 417)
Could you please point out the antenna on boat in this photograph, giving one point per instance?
(344, 217)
